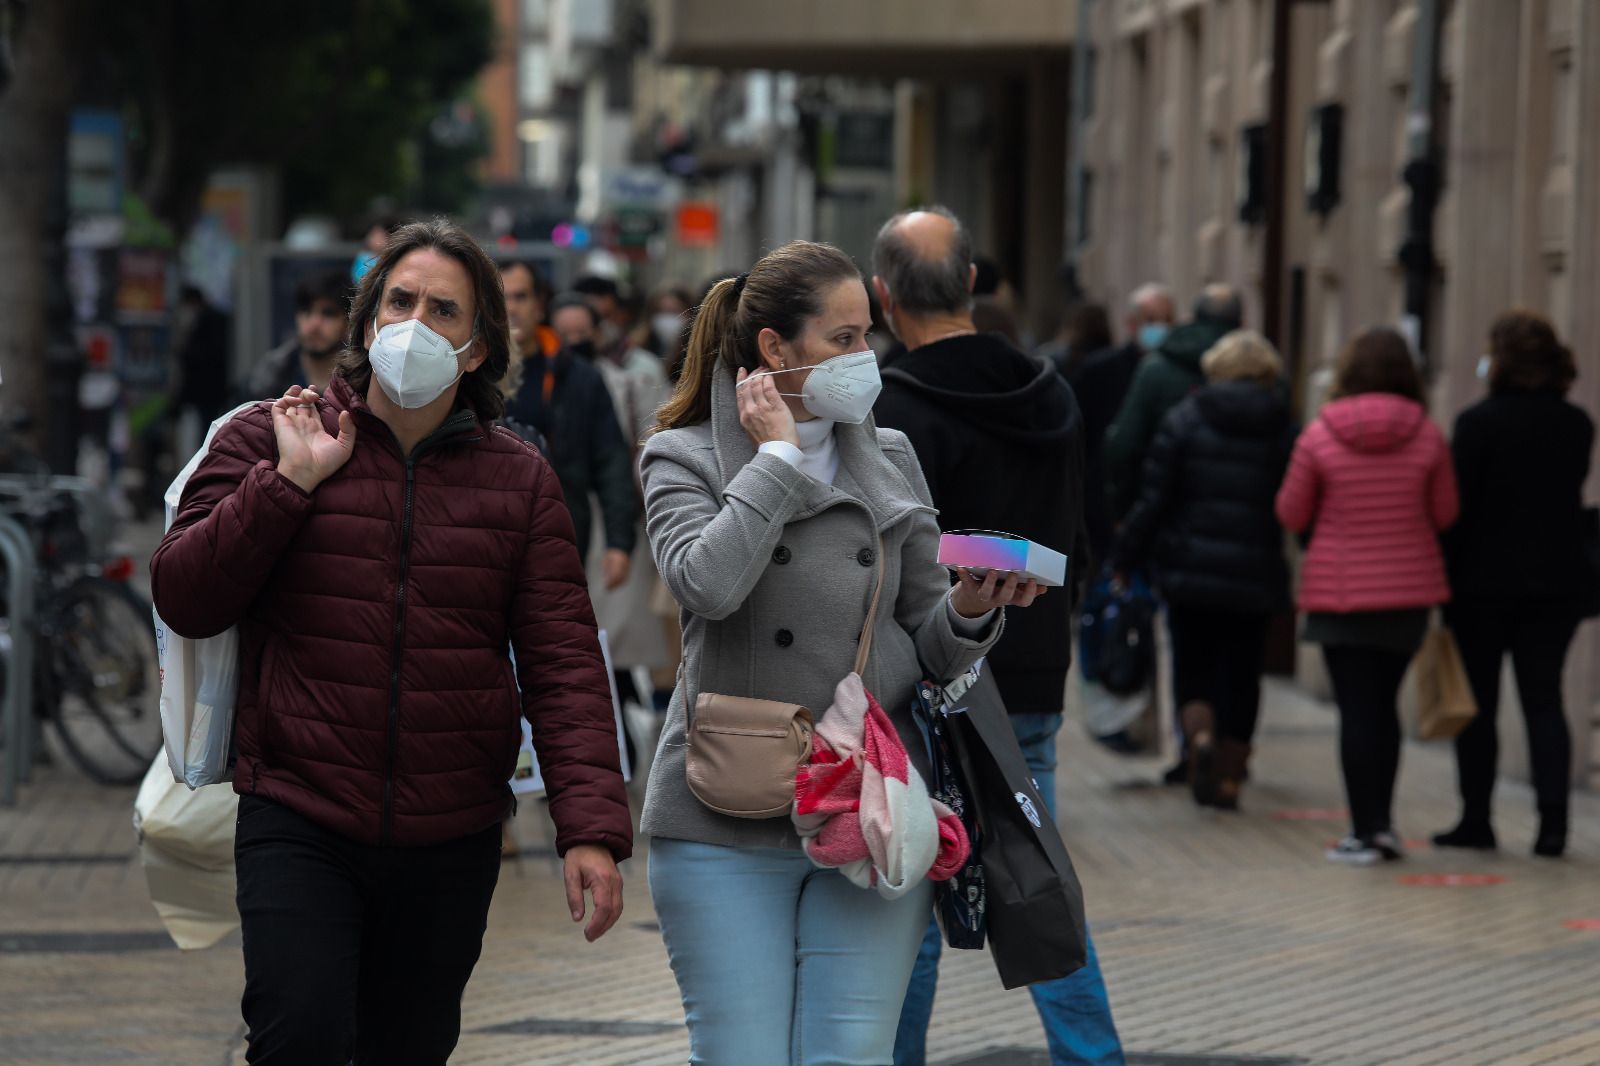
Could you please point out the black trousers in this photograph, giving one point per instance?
(1366, 685)
(353, 952)
(1216, 657)
(1537, 640)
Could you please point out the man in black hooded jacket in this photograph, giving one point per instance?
(1001, 443)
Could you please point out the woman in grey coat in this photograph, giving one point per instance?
(767, 496)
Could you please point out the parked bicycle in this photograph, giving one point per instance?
(96, 672)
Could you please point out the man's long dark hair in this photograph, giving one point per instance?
(479, 388)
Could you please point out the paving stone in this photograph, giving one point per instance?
(1224, 938)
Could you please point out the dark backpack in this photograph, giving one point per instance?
(1127, 642)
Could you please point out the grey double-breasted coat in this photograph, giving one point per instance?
(774, 571)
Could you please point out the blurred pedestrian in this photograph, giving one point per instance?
(204, 347)
(1101, 384)
(772, 502)
(1000, 442)
(1372, 483)
(309, 358)
(373, 242)
(375, 722)
(528, 296)
(1164, 377)
(565, 398)
(668, 316)
(634, 374)
(1205, 519)
(1517, 566)
(637, 386)
(1085, 331)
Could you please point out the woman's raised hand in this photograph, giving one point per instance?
(762, 412)
(976, 596)
(307, 455)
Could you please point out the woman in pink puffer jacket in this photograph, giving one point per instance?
(1371, 480)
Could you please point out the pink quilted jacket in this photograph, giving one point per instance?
(1372, 480)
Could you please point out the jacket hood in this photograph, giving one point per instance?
(1244, 408)
(1188, 342)
(986, 380)
(1374, 421)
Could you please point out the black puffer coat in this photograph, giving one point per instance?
(1205, 517)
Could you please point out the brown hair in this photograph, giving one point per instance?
(1526, 356)
(1377, 360)
(779, 293)
(480, 389)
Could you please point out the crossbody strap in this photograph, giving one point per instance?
(864, 645)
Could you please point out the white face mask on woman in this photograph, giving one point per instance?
(413, 364)
(842, 389)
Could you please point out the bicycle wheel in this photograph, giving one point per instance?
(105, 679)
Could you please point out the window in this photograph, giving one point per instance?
(534, 78)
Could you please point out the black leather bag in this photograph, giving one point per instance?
(1029, 904)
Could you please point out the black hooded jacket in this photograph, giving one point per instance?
(1000, 439)
(1205, 510)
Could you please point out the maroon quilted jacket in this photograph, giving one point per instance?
(376, 695)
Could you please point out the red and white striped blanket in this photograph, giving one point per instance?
(862, 808)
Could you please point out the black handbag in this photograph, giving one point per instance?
(1128, 644)
(1029, 904)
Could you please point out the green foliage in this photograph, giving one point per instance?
(329, 91)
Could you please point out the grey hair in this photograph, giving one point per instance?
(1220, 303)
(1150, 290)
(919, 284)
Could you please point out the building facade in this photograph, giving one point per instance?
(1180, 86)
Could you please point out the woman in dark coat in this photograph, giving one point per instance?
(1205, 518)
(1518, 566)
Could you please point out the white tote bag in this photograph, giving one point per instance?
(199, 678)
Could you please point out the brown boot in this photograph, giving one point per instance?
(1232, 758)
(1199, 728)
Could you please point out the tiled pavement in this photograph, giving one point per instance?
(1226, 938)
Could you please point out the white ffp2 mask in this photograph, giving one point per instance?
(842, 389)
(413, 364)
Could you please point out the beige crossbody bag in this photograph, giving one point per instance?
(743, 752)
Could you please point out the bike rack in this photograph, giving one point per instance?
(16, 715)
(91, 502)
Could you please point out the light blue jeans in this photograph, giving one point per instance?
(781, 963)
(1076, 1011)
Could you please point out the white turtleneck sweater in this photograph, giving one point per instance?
(818, 457)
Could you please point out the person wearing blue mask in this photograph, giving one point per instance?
(1101, 382)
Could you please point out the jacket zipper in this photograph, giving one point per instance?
(392, 748)
(399, 644)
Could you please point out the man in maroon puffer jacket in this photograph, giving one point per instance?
(380, 547)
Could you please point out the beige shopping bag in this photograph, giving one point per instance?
(1444, 696)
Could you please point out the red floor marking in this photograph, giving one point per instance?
(1452, 880)
(1312, 814)
(1584, 924)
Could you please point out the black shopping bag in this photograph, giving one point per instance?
(1032, 902)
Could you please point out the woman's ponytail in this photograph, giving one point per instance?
(779, 293)
(713, 330)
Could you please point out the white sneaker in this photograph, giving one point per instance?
(1353, 851)
(1389, 846)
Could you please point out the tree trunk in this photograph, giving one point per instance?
(33, 131)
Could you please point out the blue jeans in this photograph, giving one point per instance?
(781, 963)
(1075, 1010)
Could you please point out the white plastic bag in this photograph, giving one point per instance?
(199, 678)
(528, 779)
(186, 846)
